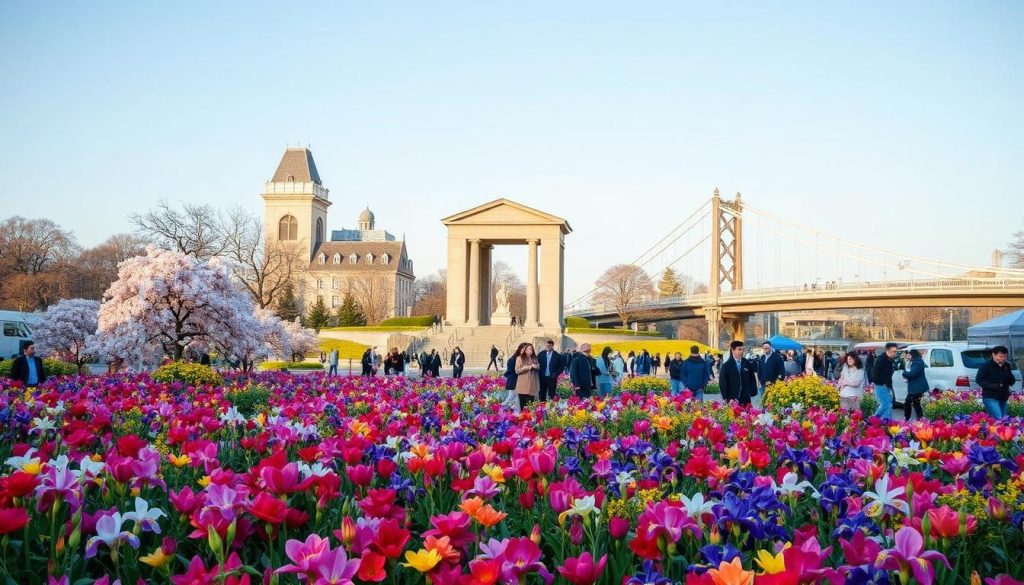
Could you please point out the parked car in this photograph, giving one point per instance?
(948, 366)
(875, 347)
(16, 332)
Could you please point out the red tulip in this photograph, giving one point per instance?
(12, 519)
(269, 509)
(360, 475)
(391, 539)
(582, 570)
(371, 567)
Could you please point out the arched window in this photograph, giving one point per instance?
(322, 259)
(319, 230)
(288, 228)
(385, 259)
(369, 258)
(353, 259)
(337, 258)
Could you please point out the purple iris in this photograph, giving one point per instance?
(648, 575)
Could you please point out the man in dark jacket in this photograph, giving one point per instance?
(694, 374)
(551, 366)
(28, 369)
(736, 378)
(458, 362)
(995, 378)
(881, 377)
(581, 372)
(435, 363)
(770, 367)
(642, 364)
(494, 359)
(367, 362)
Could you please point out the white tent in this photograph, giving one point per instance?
(1005, 330)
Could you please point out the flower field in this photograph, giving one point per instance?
(271, 478)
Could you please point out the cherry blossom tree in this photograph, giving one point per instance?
(68, 329)
(168, 301)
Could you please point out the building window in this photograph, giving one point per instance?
(288, 228)
(335, 282)
(335, 301)
(322, 259)
(385, 259)
(319, 283)
(353, 259)
(319, 230)
(369, 258)
(337, 258)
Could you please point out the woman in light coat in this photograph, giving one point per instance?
(527, 375)
(851, 383)
(604, 366)
(619, 366)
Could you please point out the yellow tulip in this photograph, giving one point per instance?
(156, 559)
(33, 467)
(422, 560)
(179, 460)
(769, 563)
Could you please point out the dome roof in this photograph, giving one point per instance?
(366, 215)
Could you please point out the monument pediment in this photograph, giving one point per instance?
(505, 212)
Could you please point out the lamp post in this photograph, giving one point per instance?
(950, 324)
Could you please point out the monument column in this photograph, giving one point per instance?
(551, 272)
(474, 283)
(456, 305)
(531, 283)
(486, 251)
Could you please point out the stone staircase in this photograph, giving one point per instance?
(476, 342)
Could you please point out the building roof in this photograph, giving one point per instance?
(296, 166)
(506, 212)
(366, 215)
(394, 249)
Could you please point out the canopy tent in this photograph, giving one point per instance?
(784, 343)
(1005, 330)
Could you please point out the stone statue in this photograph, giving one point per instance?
(502, 300)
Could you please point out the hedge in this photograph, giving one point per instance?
(420, 322)
(373, 328)
(190, 373)
(612, 331)
(652, 346)
(53, 368)
(577, 322)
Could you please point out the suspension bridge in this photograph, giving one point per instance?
(757, 261)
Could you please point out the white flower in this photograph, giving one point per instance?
(790, 485)
(21, 461)
(883, 497)
(145, 517)
(581, 507)
(42, 425)
(232, 416)
(315, 470)
(765, 419)
(624, 478)
(90, 468)
(697, 506)
(905, 457)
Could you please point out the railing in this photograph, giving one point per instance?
(826, 290)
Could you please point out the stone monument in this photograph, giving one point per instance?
(502, 313)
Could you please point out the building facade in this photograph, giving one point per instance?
(369, 263)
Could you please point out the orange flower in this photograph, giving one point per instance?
(443, 546)
(731, 574)
(488, 516)
(471, 505)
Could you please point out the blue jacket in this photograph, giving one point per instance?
(771, 369)
(917, 383)
(694, 373)
(642, 364)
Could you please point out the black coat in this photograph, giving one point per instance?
(510, 373)
(771, 369)
(881, 372)
(19, 369)
(458, 360)
(737, 384)
(581, 372)
(557, 363)
(995, 380)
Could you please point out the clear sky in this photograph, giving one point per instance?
(898, 123)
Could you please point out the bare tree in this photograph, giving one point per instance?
(262, 268)
(1016, 250)
(916, 320)
(95, 268)
(34, 258)
(374, 293)
(622, 287)
(194, 230)
(431, 294)
(693, 329)
(891, 320)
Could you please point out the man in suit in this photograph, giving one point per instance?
(551, 365)
(581, 372)
(736, 378)
(28, 369)
(770, 368)
(458, 362)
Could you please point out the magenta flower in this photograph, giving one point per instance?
(909, 557)
(306, 556)
(665, 519)
(520, 558)
(57, 483)
(582, 570)
(336, 568)
(484, 487)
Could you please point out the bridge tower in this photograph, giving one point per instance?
(726, 265)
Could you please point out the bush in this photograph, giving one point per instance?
(646, 385)
(192, 374)
(808, 391)
(291, 366)
(421, 321)
(347, 350)
(577, 322)
(713, 388)
(868, 404)
(249, 400)
(53, 368)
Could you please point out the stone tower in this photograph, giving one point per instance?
(295, 203)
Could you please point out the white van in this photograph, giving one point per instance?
(16, 332)
(948, 366)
